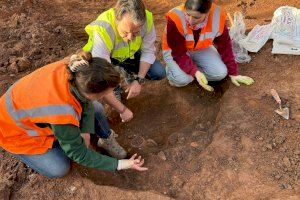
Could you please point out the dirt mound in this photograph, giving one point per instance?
(226, 145)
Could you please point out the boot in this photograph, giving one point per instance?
(112, 146)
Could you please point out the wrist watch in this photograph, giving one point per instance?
(140, 80)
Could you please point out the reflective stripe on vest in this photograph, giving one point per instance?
(108, 29)
(206, 35)
(105, 26)
(213, 28)
(18, 115)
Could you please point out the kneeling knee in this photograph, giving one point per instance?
(179, 81)
(219, 76)
(59, 171)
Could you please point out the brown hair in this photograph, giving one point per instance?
(96, 77)
(202, 6)
(135, 8)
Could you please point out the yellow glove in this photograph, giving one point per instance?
(236, 80)
(203, 81)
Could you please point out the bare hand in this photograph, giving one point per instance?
(138, 163)
(127, 115)
(134, 89)
(132, 163)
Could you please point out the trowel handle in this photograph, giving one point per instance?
(276, 96)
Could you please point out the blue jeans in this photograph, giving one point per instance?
(55, 163)
(52, 164)
(102, 128)
(209, 62)
(156, 71)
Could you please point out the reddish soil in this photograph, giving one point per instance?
(229, 144)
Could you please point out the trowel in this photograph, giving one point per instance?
(283, 111)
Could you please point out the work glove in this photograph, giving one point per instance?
(203, 81)
(236, 80)
(77, 62)
(132, 163)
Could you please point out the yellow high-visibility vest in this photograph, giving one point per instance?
(105, 26)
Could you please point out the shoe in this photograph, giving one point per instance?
(112, 146)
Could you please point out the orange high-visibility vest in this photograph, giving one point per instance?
(213, 28)
(41, 97)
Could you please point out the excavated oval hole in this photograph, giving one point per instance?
(177, 123)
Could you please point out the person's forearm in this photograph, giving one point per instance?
(73, 145)
(112, 101)
(144, 68)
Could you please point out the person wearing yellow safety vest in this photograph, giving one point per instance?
(46, 116)
(125, 36)
(196, 44)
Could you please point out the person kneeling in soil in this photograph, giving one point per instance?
(125, 36)
(196, 27)
(45, 115)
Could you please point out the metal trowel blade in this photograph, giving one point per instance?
(284, 112)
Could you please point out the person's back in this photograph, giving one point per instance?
(44, 116)
(42, 96)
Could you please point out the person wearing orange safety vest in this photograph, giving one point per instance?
(196, 43)
(46, 116)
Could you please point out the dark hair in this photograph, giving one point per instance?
(135, 7)
(97, 77)
(202, 6)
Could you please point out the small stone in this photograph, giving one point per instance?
(151, 143)
(278, 176)
(296, 152)
(23, 64)
(269, 146)
(194, 144)
(264, 149)
(200, 126)
(260, 138)
(72, 188)
(208, 124)
(173, 139)
(138, 141)
(58, 29)
(286, 186)
(162, 155)
(280, 139)
(286, 162)
(13, 67)
(2, 69)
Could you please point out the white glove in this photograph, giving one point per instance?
(236, 80)
(203, 81)
(132, 163)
